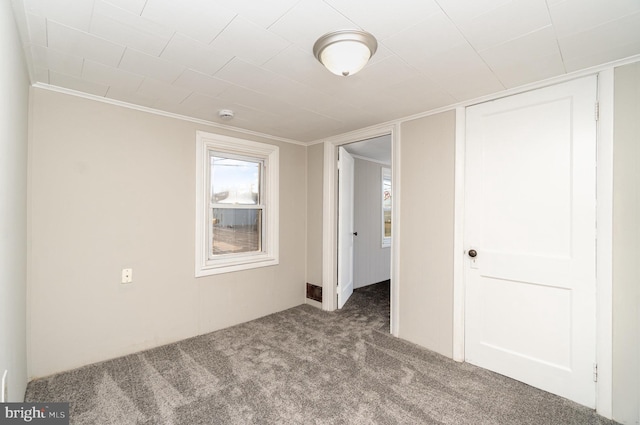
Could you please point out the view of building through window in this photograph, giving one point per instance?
(236, 210)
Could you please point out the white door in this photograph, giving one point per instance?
(345, 226)
(530, 215)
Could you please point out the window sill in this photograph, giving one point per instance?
(255, 263)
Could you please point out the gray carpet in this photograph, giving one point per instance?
(370, 306)
(301, 366)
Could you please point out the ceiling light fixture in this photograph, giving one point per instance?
(345, 52)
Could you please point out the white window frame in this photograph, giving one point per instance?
(385, 175)
(234, 147)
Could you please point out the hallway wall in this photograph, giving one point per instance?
(371, 262)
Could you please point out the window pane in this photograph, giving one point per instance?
(386, 194)
(387, 224)
(386, 206)
(235, 181)
(236, 231)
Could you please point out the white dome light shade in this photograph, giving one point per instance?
(345, 52)
(345, 58)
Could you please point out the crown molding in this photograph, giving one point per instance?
(365, 132)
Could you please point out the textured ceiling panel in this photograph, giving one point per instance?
(195, 57)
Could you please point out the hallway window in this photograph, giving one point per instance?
(386, 207)
(237, 193)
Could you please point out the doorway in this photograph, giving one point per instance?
(330, 217)
(364, 225)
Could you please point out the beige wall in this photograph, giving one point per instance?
(14, 112)
(626, 246)
(112, 188)
(371, 262)
(315, 164)
(426, 238)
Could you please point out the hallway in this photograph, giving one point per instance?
(370, 305)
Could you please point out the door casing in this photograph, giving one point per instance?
(330, 219)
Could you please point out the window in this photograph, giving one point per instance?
(237, 204)
(386, 207)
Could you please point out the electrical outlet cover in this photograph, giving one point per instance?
(127, 275)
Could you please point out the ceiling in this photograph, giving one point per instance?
(196, 57)
(377, 149)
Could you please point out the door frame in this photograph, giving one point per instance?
(604, 235)
(330, 215)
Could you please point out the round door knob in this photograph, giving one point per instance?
(473, 253)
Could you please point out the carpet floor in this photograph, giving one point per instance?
(370, 306)
(301, 366)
